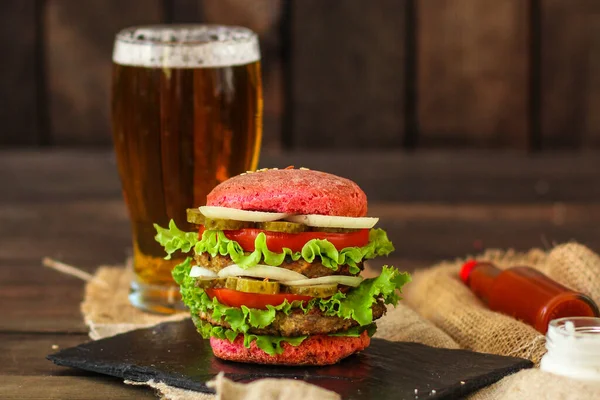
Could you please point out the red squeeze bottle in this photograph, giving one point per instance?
(525, 294)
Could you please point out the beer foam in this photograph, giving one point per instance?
(186, 46)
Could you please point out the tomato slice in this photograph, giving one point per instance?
(234, 298)
(276, 241)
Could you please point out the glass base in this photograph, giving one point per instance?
(157, 299)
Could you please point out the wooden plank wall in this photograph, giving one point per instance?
(518, 74)
(19, 113)
(79, 40)
(570, 76)
(347, 79)
(473, 63)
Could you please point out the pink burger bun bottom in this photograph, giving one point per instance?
(315, 350)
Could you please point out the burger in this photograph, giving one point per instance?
(273, 273)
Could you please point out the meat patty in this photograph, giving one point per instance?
(310, 270)
(299, 324)
(215, 263)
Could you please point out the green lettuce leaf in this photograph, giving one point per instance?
(174, 239)
(356, 304)
(240, 319)
(269, 344)
(216, 243)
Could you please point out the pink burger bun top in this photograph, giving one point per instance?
(293, 191)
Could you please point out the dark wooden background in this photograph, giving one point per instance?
(519, 74)
(359, 76)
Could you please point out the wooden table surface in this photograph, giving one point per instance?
(67, 205)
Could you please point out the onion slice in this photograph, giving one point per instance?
(328, 221)
(353, 281)
(262, 271)
(215, 212)
(198, 271)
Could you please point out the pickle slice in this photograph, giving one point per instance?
(252, 285)
(313, 290)
(208, 283)
(231, 283)
(225, 224)
(282, 226)
(194, 216)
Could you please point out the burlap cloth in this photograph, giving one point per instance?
(438, 310)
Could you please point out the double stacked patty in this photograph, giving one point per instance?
(296, 323)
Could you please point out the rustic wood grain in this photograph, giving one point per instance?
(259, 15)
(24, 371)
(40, 308)
(18, 86)
(90, 386)
(557, 213)
(472, 58)
(24, 354)
(347, 74)
(570, 73)
(183, 11)
(434, 206)
(85, 233)
(31, 272)
(80, 37)
(591, 137)
(92, 173)
(457, 177)
(431, 177)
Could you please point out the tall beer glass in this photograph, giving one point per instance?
(186, 115)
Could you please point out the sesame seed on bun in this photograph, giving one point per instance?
(294, 191)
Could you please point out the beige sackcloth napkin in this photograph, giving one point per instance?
(437, 310)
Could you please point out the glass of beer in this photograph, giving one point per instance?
(186, 115)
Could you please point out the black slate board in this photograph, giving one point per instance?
(175, 353)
